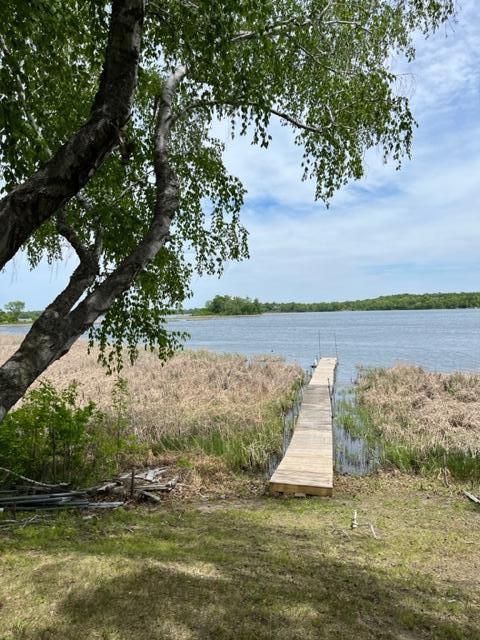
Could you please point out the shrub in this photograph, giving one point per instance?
(50, 437)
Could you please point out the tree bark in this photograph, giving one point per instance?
(62, 323)
(28, 205)
(52, 335)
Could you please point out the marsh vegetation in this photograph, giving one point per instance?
(423, 421)
(196, 404)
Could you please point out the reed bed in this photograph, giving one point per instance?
(221, 404)
(425, 420)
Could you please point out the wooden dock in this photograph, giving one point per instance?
(307, 466)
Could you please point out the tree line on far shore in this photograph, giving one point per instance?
(234, 305)
(14, 312)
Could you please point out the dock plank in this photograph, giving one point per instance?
(307, 466)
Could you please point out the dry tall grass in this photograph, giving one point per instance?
(423, 408)
(194, 394)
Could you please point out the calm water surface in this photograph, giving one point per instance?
(442, 340)
(437, 339)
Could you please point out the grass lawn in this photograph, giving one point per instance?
(256, 569)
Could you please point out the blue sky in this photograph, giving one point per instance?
(415, 230)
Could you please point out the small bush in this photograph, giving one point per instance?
(50, 437)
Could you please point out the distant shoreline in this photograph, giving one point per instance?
(16, 324)
(216, 316)
(213, 316)
(237, 306)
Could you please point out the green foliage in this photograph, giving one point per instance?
(119, 422)
(49, 73)
(403, 301)
(14, 312)
(14, 309)
(230, 306)
(323, 64)
(50, 437)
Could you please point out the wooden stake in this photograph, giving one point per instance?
(132, 483)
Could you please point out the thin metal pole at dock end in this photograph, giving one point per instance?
(331, 393)
(319, 346)
(330, 396)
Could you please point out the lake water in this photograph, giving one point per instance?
(443, 340)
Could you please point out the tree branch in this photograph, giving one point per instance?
(164, 117)
(297, 22)
(61, 324)
(320, 63)
(276, 29)
(65, 230)
(298, 123)
(280, 114)
(166, 205)
(28, 205)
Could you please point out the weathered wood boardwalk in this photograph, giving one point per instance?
(307, 466)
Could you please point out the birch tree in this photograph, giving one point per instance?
(106, 113)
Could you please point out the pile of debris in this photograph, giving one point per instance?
(136, 485)
(147, 484)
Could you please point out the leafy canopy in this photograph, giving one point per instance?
(321, 67)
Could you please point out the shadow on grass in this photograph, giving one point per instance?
(232, 576)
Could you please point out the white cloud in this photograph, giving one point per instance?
(447, 66)
(414, 230)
